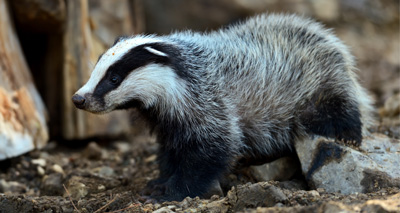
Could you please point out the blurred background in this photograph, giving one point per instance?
(58, 42)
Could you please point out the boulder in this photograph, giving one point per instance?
(339, 168)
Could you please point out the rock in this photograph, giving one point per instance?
(12, 187)
(338, 168)
(392, 204)
(41, 162)
(52, 185)
(335, 207)
(166, 209)
(101, 188)
(151, 158)
(76, 188)
(40, 171)
(280, 170)
(104, 171)
(122, 146)
(92, 151)
(84, 186)
(255, 195)
(217, 206)
(57, 168)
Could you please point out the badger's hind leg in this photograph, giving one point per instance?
(334, 115)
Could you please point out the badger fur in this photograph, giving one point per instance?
(248, 91)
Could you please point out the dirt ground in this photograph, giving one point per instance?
(108, 176)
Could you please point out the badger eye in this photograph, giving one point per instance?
(114, 79)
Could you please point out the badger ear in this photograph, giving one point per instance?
(156, 52)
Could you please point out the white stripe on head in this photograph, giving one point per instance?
(156, 52)
(111, 56)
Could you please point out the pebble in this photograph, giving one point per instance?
(11, 186)
(101, 187)
(57, 168)
(104, 171)
(93, 151)
(52, 185)
(314, 193)
(163, 210)
(40, 171)
(150, 159)
(44, 155)
(41, 162)
(122, 146)
(76, 189)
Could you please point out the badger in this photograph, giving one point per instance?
(243, 93)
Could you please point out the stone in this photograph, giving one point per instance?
(254, 195)
(391, 204)
(104, 171)
(93, 151)
(122, 146)
(40, 162)
(76, 188)
(339, 168)
(217, 206)
(52, 185)
(11, 187)
(40, 171)
(57, 168)
(163, 210)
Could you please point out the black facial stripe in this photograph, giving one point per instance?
(135, 58)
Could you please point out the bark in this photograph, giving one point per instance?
(22, 112)
(86, 37)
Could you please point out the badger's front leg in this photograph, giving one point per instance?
(190, 167)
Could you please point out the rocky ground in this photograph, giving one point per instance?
(104, 176)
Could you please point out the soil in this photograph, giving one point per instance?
(108, 176)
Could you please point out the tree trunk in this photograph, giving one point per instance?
(22, 112)
(84, 41)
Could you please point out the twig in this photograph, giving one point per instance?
(105, 206)
(70, 199)
(129, 207)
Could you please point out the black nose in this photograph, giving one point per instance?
(79, 101)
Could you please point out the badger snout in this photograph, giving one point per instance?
(79, 101)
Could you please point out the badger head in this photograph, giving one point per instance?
(135, 71)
